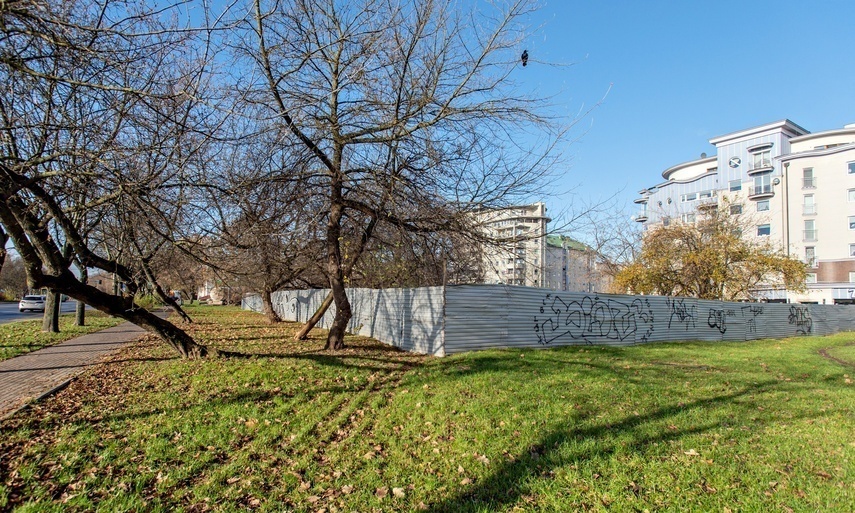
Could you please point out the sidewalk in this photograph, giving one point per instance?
(34, 375)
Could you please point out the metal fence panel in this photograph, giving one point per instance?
(410, 319)
(439, 321)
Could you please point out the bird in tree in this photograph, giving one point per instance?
(524, 57)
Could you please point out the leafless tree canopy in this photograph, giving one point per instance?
(307, 140)
(407, 113)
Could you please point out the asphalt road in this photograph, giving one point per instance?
(9, 311)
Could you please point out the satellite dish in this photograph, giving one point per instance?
(776, 181)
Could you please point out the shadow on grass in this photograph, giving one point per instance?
(506, 486)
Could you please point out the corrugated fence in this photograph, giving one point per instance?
(440, 321)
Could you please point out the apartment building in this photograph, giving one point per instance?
(518, 253)
(794, 188)
(524, 253)
(573, 266)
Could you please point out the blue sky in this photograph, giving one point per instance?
(682, 72)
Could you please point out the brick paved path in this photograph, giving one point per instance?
(34, 375)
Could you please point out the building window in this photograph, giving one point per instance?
(809, 207)
(808, 180)
(810, 278)
(735, 209)
(810, 256)
(852, 250)
(705, 194)
(666, 221)
(810, 230)
(692, 196)
(735, 185)
(762, 206)
(687, 218)
(852, 222)
(851, 276)
(761, 159)
(851, 167)
(852, 195)
(762, 184)
(764, 230)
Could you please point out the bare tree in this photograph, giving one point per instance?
(268, 228)
(92, 91)
(407, 110)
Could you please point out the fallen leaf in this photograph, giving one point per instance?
(368, 455)
(313, 499)
(398, 492)
(483, 459)
(232, 480)
(691, 452)
(305, 485)
(347, 489)
(824, 475)
(460, 469)
(255, 502)
(381, 492)
(466, 481)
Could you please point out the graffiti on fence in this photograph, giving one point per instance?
(685, 315)
(750, 313)
(593, 318)
(717, 319)
(801, 319)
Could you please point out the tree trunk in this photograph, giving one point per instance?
(4, 238)
(335, 267)
(267, 307)
(335, 340)
(124, 308)
(303, 334)
(50, 321)
(171, 334)
(160, 293)
(80, 312)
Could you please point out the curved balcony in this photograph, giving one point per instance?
(760, 166)
(763, 191)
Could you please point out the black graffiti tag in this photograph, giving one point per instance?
(751, 312)
(681, 312)
(717, 319)
(801, 319)
(593, 318)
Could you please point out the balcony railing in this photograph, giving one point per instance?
(809, 210)
(760, 165)
(809, 183)
(641, 216)
(761, 191)
(810, 262)
(810, 235)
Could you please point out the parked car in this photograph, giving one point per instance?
(34, 303)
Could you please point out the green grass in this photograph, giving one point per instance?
(756, 426)
(17, 338)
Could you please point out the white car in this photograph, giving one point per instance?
(34, 303)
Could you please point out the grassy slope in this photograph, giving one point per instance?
(767, 425)
(17, 338)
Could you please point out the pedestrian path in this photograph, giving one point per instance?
(34, 375)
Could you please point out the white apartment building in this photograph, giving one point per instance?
(796, 188)
(524, 253)
(518, 254)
